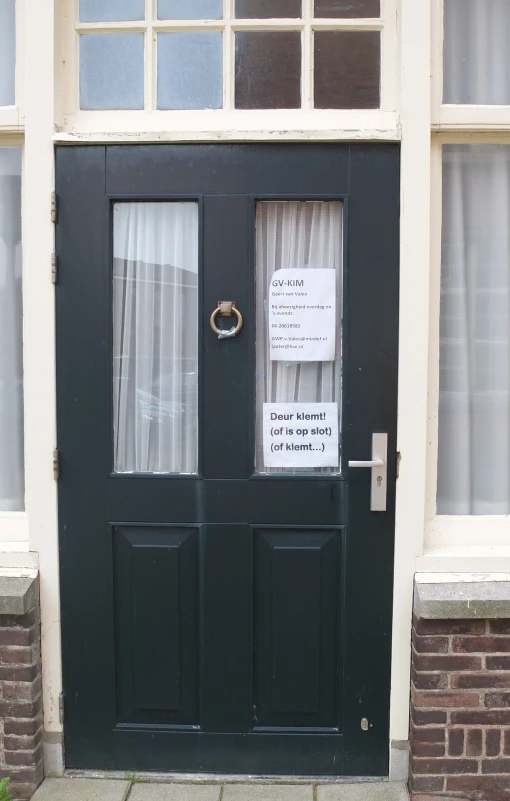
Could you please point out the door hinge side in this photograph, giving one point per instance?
(54, 207)
(61, 708)
(56, 465)
(54, 268)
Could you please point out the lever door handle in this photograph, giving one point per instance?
(379, 466)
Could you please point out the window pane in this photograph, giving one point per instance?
(190, 70)
(111, 10)
(267, 9)
(295, 235)
(7, 52)
(155, 337)
(11, 360)
(347, 69)
(476, 52)
(268, 69)
(347, 9)
(474, 405)
(111, 71)
(190, 9)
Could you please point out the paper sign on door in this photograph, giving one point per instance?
(300, 435)
(302, 315)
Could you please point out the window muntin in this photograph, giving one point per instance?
(7, 52)
(476, 56)
(250, 53)
(11, 336)
(474, 392)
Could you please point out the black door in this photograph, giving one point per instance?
(226, 588)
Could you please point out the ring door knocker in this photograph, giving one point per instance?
(226, 308)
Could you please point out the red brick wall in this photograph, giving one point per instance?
(21, 751)
(460, 709)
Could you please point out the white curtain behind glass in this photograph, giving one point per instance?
(11, 335)
(7, 52)
(155, 373)
(474, 410)
(294, 234)
(477, 52)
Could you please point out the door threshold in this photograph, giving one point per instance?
(219, 778)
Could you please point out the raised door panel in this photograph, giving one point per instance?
(297, 599)
(156, 595)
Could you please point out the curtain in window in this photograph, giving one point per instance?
(155, 338)
(7, 52)
(476, 52)
(294, 234)
(11, 336)
(474, 409)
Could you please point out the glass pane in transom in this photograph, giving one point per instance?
(190, 9)
(268, 69)
(268, 9)
(346, 9)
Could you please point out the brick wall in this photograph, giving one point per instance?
(460, 709)
(21, 750)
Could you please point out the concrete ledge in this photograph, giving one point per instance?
(466, 596)
(18, 595)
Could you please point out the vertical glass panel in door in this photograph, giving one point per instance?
(155, 337)
(302, 236)
(476, 52)
(7, 52)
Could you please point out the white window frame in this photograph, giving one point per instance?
(12, 118)
(228, 123)
(454, 536)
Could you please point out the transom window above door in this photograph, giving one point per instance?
(181, 55)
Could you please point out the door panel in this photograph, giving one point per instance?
(296, 610)
(216, 618)
(156, 604)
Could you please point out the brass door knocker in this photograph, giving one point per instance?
(226, 308)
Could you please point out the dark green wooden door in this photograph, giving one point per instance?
(219, 614)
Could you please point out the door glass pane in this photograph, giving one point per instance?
(111, 71)
(190, 9)
(296, 235)
(268, 69)
(190, 70)
(267, 9)
(474, 391)
(11, 361)
(346, 9)
(7, 52)
(111, 10)
(476, 52)
(347, 69)
(155, 337)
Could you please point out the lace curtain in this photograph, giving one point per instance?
(474, 411)
(11, 334)
(294, 234)
(155, 343)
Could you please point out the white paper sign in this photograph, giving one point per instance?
(302, 315)
(300, 435)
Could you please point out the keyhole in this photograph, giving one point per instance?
(379, 482)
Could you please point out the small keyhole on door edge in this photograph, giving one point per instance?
(364, 724)
(379, 481)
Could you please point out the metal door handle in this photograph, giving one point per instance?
(379, 466)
